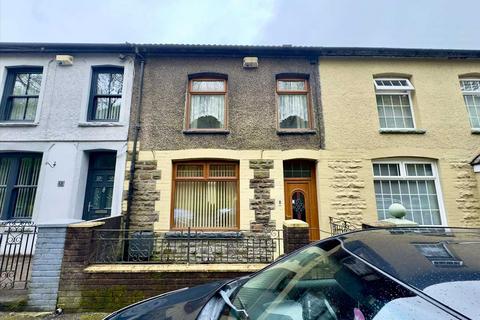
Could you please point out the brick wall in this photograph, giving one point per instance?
(80, 290)
(46, 267)
(295, 237)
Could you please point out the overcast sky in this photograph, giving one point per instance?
(387, 23)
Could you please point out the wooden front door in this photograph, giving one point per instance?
(301, 196)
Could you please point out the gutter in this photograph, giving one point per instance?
(136, 133)
(240, 50)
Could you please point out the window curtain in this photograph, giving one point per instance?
(205, 204)
(208, 86)
(295, 108)
(203, 106)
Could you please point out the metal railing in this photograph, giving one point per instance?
(338, 226)
(185, 246)
(17, 242)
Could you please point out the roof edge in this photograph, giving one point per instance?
(285, 50)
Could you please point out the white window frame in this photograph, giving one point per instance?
(469, 93)
(403, 176)
(392, 91)
(378, 87)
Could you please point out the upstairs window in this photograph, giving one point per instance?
(206, 104)
(106, 94)
(471, 95)
(394, 103)
(294, 111)
(412, 184)
(20, 97)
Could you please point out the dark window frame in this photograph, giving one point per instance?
(5, 105)
(306, 92)
(8, 206)
(191, 92)
(94, 96)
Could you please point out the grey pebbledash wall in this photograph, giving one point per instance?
(46, 267)
(251, 104)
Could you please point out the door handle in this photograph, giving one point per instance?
(89, 206)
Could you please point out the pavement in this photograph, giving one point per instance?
(50, 316)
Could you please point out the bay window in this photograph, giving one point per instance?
(413, 184)
(205, 195)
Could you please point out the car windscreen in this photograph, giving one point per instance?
(325, 282)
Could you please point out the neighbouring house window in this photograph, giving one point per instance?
(471, 95)
(294, 110)
(206, 104)
(412, 184)
(205, 195)
(20, 96)
(106, 94)
(394, 103)
(18, 184)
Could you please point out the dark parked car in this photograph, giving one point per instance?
(417, 273)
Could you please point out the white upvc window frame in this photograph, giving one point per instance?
(402, 162)
(407, 87)
(395, 90)
(469, 93)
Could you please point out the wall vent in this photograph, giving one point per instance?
(250, 62)
(64, 60)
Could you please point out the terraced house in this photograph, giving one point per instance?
(224, 149)
(244, 138)
(64, 117)
(224, 132)
(401, 126)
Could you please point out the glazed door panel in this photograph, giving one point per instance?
(301, 203)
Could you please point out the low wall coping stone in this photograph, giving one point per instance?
(146, 268)
(87, 224)
(295, 223)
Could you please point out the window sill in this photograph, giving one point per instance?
(208, 131)
(402, 131)
(287, 132)
(100, 124)
(18, 124)
(475, 131)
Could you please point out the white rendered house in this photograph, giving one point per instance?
(63, 130)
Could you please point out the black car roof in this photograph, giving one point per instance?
(420, 257)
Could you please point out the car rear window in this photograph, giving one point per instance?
(328, 283)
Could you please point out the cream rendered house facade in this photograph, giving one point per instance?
(428, 156)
